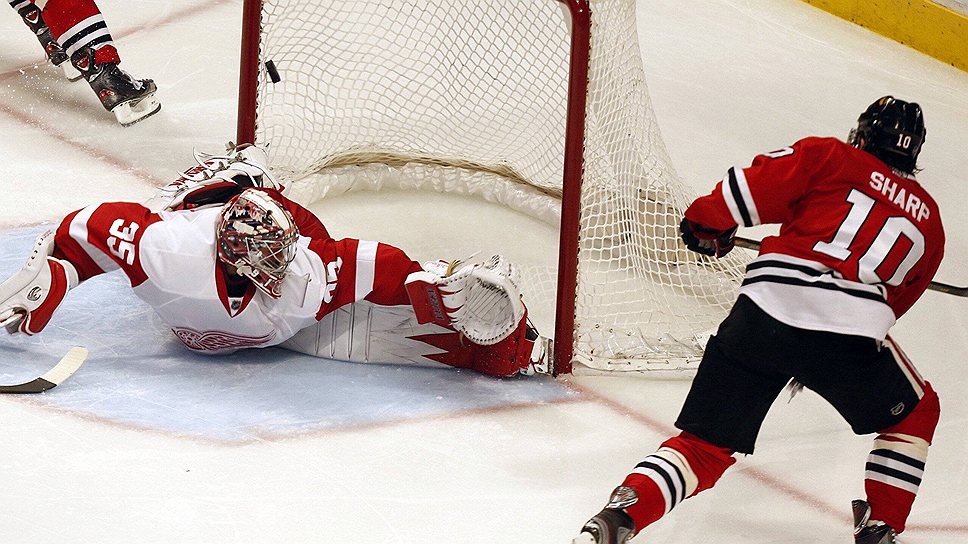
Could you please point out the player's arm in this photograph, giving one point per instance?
(29, 298)
(901, 300)
(764, 192)
(356, 270)
(105, 237)
(306, 221)
(88, 242)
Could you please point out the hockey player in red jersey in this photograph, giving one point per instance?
(75, 37)
(859, 241)
(228, 262)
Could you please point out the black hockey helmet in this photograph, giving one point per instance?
(892, 130)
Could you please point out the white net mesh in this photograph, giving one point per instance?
(471, 96)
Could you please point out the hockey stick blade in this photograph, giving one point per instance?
(934, 285)
(53, 377)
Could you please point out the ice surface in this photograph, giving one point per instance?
(147, 443)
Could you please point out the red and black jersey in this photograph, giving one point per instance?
(858, 242)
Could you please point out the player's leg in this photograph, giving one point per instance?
(682, 467)
(79, 27)
(733, 390)
(524, 351)
(877, 390)
(33, 18)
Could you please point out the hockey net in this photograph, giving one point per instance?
(540, 105)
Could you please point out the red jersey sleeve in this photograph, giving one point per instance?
(765, 192)
(306, 221)
(903, 297)
(103, 238)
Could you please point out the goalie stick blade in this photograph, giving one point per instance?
(53, 377)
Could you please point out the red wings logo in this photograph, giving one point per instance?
(218, 340)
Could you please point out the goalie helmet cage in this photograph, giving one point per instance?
(523, 102)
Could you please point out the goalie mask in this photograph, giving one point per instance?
(257, 236)
(892, 130)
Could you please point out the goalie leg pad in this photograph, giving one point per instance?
(30, 297)
(481, 300)
(682, 467)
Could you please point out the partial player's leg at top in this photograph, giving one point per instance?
(76, 38)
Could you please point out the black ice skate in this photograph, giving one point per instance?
(55, 53)
(867, 531)
(610, 526)
(129, 99)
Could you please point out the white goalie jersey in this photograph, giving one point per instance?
(169, 258)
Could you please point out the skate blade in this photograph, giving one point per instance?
(71, 73)
(129, 113)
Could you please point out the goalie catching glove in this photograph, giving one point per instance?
(30, 297)
(215, 180)
(482, 301)
(705, 240)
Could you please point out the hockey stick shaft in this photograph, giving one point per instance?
(64, 369)
(934, 285)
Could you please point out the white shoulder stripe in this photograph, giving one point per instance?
(731, 202)
(79, 233)
(365, 268)
(744, 189)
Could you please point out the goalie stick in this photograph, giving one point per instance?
(53, 377)
(934, 285)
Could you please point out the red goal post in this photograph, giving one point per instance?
(628, 297)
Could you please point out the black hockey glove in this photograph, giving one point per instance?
(705, 240)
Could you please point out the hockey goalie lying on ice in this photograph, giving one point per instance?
(228, 262)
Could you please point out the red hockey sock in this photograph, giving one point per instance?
(682, 467)
(77, 24)
(896, 464)
(105, 54)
